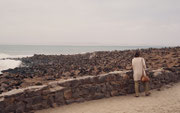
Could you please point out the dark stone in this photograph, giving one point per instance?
(36, 99)
(75, 83)
(109, 87)
(10, 108)
(111, 77)
(68, 94)
(20, 107)
(83, 92)
(114, 93)
(59, 98)
(80, 100)
(38, 83)
(2, 105)
(98, 96)
(102, 78)
(50, 100)
(70, 101)
(94, 79)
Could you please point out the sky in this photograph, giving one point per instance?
(90, 22)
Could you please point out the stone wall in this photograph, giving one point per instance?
(80, 89)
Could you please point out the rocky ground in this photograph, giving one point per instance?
(41, 69)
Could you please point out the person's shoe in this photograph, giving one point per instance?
(136, 95)
(147, 94)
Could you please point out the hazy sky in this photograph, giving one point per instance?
(90, 22)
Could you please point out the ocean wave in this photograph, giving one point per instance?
(9, 64)
(4, 56)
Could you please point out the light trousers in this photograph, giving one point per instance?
(146, 86)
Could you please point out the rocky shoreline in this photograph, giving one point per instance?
(41, 69)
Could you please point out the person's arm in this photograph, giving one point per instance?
(144, 64)
(132, 63)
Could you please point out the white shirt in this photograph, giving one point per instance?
(139, 66)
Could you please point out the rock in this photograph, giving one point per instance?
(114, 93)
(59, 98)
(68, 94)
(38, 83)
(80, 100)
(98, 96)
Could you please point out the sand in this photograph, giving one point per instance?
(165, 101)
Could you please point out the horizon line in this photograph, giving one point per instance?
(123, 45)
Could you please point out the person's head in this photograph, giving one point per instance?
(137, 54)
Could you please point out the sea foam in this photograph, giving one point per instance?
(9, 64)
(4, 56)
(6, 61)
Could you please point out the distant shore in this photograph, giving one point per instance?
(41, 69)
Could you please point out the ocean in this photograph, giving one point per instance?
(18, 51)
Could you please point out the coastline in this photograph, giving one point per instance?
(41, 69)
(30, 89)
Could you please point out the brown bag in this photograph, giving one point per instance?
(145, 79)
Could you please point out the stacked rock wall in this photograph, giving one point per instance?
(58, 93)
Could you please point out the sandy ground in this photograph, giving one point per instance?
(165, 101)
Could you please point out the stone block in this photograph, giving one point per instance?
(94, 79)
(9, 100)
(68, 94)
(107, 95)
(102, 78)
(103, 88)
(50, 100)
(110, 77)
(75, 93)
(92, 90)
(80, 100)
(119, 77)
(20, 107)
(114, 93)
(45, 92)
(59, 98)
(69, 101)
(109, 87)
(37, 99)
(75, 83)
(115, 84)
(98, 96)
(29, 94)
(2, 105)
(84, 80)
(37, 107)
(10, 108)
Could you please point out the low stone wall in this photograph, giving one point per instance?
(58, 93)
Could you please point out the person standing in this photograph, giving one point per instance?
(139, 66)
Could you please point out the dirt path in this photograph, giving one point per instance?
(165, 101)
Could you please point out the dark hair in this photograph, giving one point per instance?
(137, 54)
